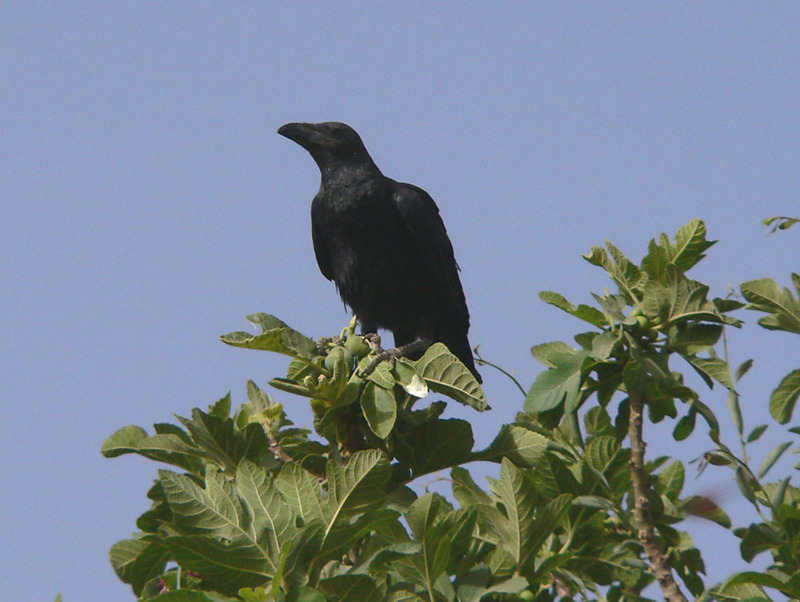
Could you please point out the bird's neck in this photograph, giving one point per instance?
(345, 174)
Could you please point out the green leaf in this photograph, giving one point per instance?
(124, 441)
(695, 405)
(435, 445)
(766, 296)
(690, 242)
(215, 509)
(466, 491)
(426, 517)
(772, 457)
(416, 563)
(619, 268)
(603, 345)
(557, 300)
(758, 538)
(289, 386)
(304, 594)
(444, 373)
(598, 422)
(756, 433)
(380, 409)
(298, 369)
(471, 584)
(513, 585)
(271, 519)
(266, 321)
(735, 410)
(784, 397)
(229, 566)
(351, 588)
(222, 408)
(777, 494)
(594, 501)
(136, 561)
(685, 252)
(685, 426)
(517, 493)
(167, 448)
(693, 338)
(352, 490)
(524, 528)
(682, 300)
(557, 385)
(407, 377)
(780, 223)
(760, 579)
(721, 457)
(516, 443)
(712, 368)
(462, 523)
(301, 490)
(601, 452)
(381, 375)
(223, 443)
(727, 305)
(543, 351)
(254, 594)
(587, 313)
(614, 306)
(609, 466)
(276, 336)
(747, 484)
(742, 369)
(635, 377)
(657, 259)
(670, 480)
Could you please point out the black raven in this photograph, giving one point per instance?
(384, 245)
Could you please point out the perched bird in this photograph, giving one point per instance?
(384, 245)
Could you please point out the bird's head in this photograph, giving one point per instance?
(330, 144)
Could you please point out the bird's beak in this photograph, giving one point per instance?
(303, 134)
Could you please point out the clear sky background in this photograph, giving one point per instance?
(147, 205)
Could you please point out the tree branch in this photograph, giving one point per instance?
(277, 451)
(642, 515)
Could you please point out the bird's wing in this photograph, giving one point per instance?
(321, 249)
(421, 216)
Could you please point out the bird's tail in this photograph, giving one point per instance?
(459, 346)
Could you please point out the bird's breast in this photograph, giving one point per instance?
(375, 265)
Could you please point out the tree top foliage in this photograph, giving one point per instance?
(253, 508)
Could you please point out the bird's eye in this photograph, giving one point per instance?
(337, 132)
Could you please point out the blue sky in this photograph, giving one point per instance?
(147, 205)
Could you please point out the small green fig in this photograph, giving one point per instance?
(336, 356)
(357, 345)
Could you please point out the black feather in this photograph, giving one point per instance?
(383, 243)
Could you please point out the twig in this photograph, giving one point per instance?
(280, 454)
(275, 447)
(642, 515)
(482, 362)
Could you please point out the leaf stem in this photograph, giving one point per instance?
(483, 362)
